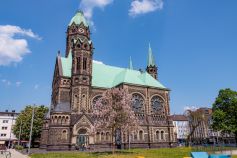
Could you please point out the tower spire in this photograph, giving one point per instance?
(151, 65)
(130, 63)
(151, 59)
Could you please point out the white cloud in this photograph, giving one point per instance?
(190, 108)
(145, 6)
(6, 82)
(36, 86)
(88, 6)
(98, 62)
(18, 83)
(12, 48)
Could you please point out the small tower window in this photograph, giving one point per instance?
(78, 63)
(84, 63)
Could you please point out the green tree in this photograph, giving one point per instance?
(225, 112)
(24, 121)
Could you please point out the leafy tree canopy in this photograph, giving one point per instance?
(24, 121)
(225, 112)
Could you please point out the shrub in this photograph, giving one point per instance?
(19, 147)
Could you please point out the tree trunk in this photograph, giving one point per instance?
(112, 134)
(236, 139)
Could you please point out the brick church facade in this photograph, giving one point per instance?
(79, 82)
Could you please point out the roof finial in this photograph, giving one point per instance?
(130, 64)
(151, 60)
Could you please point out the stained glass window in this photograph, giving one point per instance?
(138, 103)
(157, 105)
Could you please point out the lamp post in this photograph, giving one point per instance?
(31, 127)
(19, 137)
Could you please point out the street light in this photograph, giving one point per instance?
(19, 137)
(31, 127)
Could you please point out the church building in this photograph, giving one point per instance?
(79, 81)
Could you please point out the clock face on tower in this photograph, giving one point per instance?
(81, 30)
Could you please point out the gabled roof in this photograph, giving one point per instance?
(105, 76)
(179, 118)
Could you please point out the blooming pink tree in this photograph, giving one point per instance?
(114, 111)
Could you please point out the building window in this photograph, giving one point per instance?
(5, 121)
(3, 135)
(64, 135)
(4, 128)
(157, 105)
(107, 136)
(95, 99)
(78, 63)
(157, 135)
(98, 136)
(140, 135)
(84, 63)
(137, 103)
(102, 136)
(162, 135)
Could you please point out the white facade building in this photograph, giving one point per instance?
(181, 127)
(7, 122)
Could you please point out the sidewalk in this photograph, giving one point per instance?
(232, 152)
(16, 154)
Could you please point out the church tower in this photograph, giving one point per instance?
(80, 48)
(151, 65)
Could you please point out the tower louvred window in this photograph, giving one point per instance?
(84, 63)
(78, 63)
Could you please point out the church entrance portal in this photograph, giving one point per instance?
(82, 139)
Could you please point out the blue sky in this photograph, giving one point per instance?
(194, 43)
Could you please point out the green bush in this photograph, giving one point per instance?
(19, 147)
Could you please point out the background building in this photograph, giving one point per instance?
(7, 122)
(204, 134)
(181, 127)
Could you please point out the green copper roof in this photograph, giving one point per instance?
(78, 19)
(67, 65)
(130, 64)
(105, 76)
(151, 59)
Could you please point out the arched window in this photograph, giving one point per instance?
(137, 103)
(59, 120)
(95, 99)
(157, 135)
(84, 63)
(63, 120)
(98, 136)
(140, 135)
(64, 135)
(107, 136)
(162, 135)
(102, 136)
(157, 105)
(55, 119)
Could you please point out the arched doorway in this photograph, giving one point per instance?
(82, 138)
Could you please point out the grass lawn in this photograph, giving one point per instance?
(134, 153)
(147, 153)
